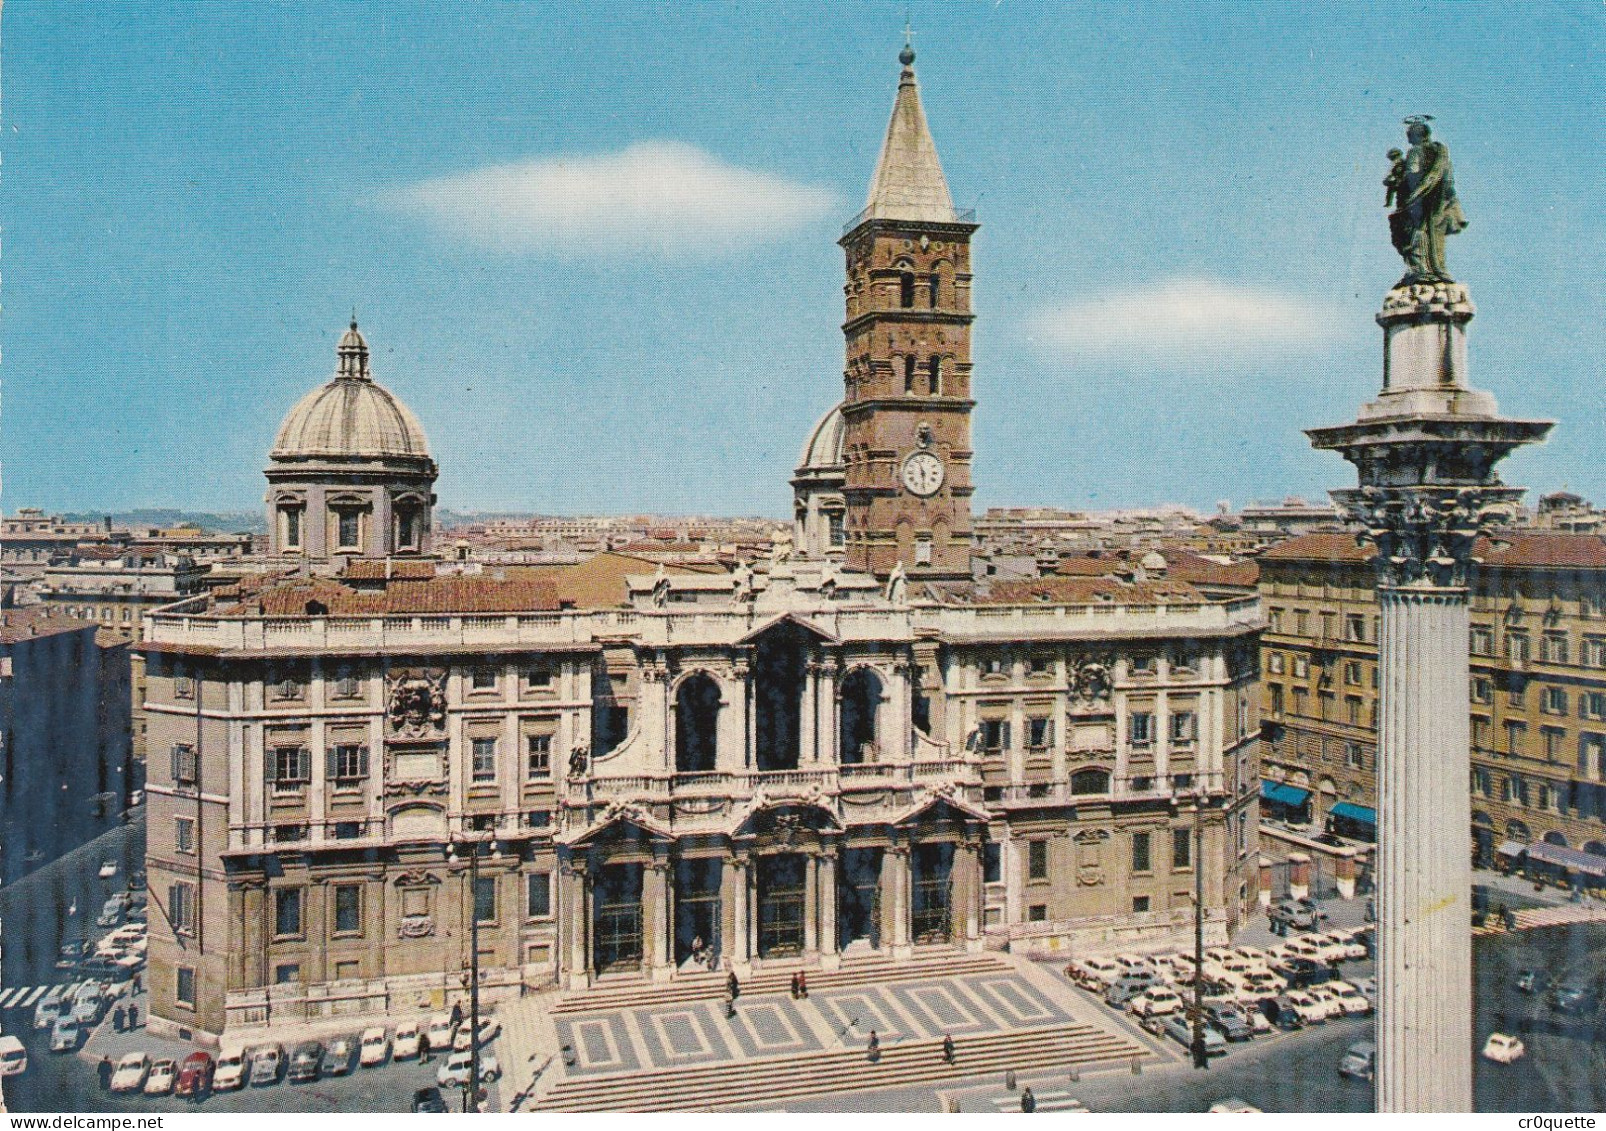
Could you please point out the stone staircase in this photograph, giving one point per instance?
(711, 986)
(1556, 916)
(772, 1081)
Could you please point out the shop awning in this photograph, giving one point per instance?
(1511, 848)
(1569, 858)
(1361, 813)
(1289, 795)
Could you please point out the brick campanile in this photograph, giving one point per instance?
(907, 406)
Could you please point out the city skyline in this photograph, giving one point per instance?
(1224, 251)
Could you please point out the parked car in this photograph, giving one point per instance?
(1154, 1002)
(266, 1064)
(1093, 973)
(1231, 1023)
(49, 1011)
(1301, 972)
(405, 1046)
(1232, 1105)
(87, 1004)
(1263, 983)
(306, 1062)
(108, 868)
(136, 880)
(489, 1028)
(1502, 1048)
(1359, 1061)
(1300, 914)
(1134, 963)
(71, 953)
(230, 1073)
(1532, 981)
(1327, 1000)
(130, 1073)
(164, 1073)
(65, 1035)
(1124, 988)
(341, 1056)
(195, 1074)
(1180, 1029)
(375, 1047)
(13, 1057)
(442, 1029)
(1572, 996)
(1355, 1003)
(454, 1072)
(429, 1100)
(1303, 1006)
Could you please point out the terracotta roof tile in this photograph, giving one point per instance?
(1546, 550)
(25, 624)
(1087, 591)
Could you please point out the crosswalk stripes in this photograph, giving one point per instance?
(25, 997)
(1046, 1101)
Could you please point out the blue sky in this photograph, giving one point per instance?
(593, 246)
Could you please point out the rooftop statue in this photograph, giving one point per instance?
(1422, 189)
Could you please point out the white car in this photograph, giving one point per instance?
(48, 1012)
(1329, 950)
(1255, 955)
(455, 1072)
(489, 1028)
(108, 869)
(405, 1046)
(1093, 973)
(1304, 948)
(1133, 963)
(1327, 999)
(1235, 1106)
(1304, 1007)
(440, 1032)
(1156, 1002)
(230, 1073)
(1263, 983)
(1174, 968)
(1354, 1002)
(130, 1073)
(375, 1047)
(1354, 948)
(1503, 1048)
(163, 1075)
(13, 1057)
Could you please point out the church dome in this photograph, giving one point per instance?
(351, 416)
(823, 449)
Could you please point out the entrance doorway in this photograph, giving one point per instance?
(931, 918)
(858, 888)
(697, 908)
(782, 898)
(616, 918)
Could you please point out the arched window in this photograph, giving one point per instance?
(696, 725)
(1090, 782)
(936, 288)
(936, 376)
(778, 673)
(861, 696)
(292, 526)
(909, 374)
(906, 289)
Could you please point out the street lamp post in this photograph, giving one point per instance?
(1201, 1058)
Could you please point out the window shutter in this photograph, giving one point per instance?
(1048, 732)
(270, 765)
(1003, 734)
(362, 761)
(303, 764)
(174, 763)
(331, 763)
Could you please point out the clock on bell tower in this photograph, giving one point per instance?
(906, 413)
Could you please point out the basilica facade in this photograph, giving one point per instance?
(389, 770)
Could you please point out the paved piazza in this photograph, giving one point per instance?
(682, 1034)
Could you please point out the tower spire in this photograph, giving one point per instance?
(908, 182)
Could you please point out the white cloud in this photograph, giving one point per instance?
(1187, 319)
(659, 196)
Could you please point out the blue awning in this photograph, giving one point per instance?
(1289, 795)
(1361, 813)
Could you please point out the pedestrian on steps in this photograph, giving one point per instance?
(1028, 1102)
(733, 987)
(872, 1048)
(948, 1048)
(796, 978)
(802, 985)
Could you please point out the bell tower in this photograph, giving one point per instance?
(906, 413)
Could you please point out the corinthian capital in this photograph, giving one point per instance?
(1425, 535)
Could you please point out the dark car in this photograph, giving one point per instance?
(195, 1075)
(1300, 972)
(306, 1062)
(136, 880)
(1532, 981)
(1359, 1061)
(341, 1057)
(1180, 1029)
(71, 954)
(1229, 1022)
(1572, 997)
(429, 1100)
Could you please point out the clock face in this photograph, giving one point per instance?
(922, 473)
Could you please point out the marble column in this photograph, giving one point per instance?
(811, 905)
(898, 859)
(1425, 451)
(576, 926)
(655, 881)
(808, 717)
(738, 938)
(829, 953)
(968, 886)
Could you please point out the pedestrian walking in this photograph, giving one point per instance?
(872, 1048)
(133, 1018)
(120, 1019)
(948, 1047)
(1028, 1102)
(105, 1073)
(136, 985)
(802, 984)
(424, 1055)
(796, 979)
(733, 987)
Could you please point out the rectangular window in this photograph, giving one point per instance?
(184, 835)
(1353, 758)
(287, 912)
(1480, 733)
(538, 757)
(1592, 704)
(1276, 699)
(994, 735)
(1517, 647)
(838, 531)
(1352, 672)
(1140, 728)
(992, 863)
(1140, 852)
(1182, 848)
(1355, 628)
(181, 907)
(1037, 913)
(348, 763)
(1553, 743)
(1480, 780)
(1482, 689)
(289, 767)
(1039, 733)
(287, 973)
(348, 830)
(1592, 756)
(1301, 665)
(1553, 701)
(287, 834)
(484, 756)
(1037, 860)
(183, 687)
(1184, 727)
(348, 909)
(1553, 648)
(537, 678)
(1037, 665)
(349, 529)
(1275, 663)
(1301, 701)
(1594, 653)
(287, 688)
(1352, 707)
(1140, 904)
(1142, 665)
(184, 765)
(485, 899)
(1482, 642)
(184, 986)
(1516, 736)
(538, 895)
(483, 679)
(347, 687)
(1276, 619)
(292, 527)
